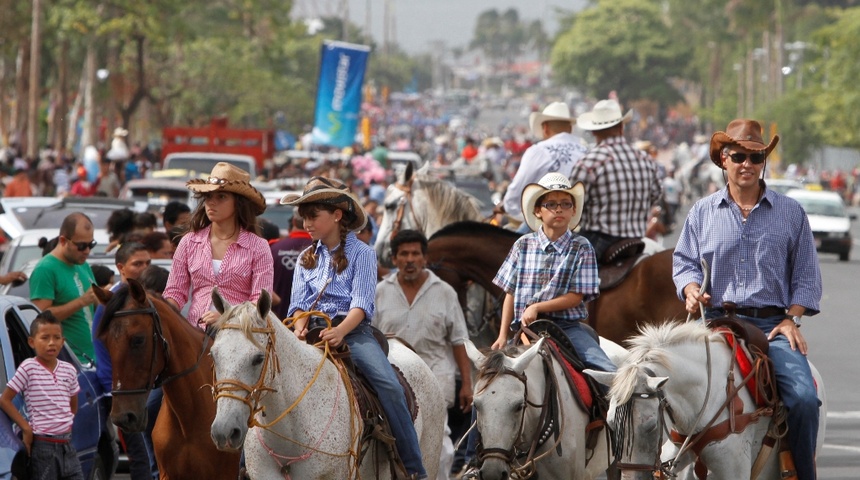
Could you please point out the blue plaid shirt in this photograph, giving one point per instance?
(355, 287)
(768, 260)
(537, 270)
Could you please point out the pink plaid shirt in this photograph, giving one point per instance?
(247, 268)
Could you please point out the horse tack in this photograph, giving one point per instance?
(406, 199)
(158, 380)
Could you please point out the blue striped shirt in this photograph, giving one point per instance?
(767, 260)
(355, 287)
(537, 270)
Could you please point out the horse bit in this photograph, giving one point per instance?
(157, 334)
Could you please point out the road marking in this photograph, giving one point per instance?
(842, 447)
(855, 414)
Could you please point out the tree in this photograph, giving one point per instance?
(621, 45)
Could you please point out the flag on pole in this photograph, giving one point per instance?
(339, 90)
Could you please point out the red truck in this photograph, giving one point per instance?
(219, 138)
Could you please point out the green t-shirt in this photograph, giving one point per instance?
(55, 280)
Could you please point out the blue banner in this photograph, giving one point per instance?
(339, 91)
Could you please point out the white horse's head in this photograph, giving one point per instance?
(418, 201)
(244, 358)
(508, 395)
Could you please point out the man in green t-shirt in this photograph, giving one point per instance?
(62, 283)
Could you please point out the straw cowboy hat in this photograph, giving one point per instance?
(605, 114)
(743, 132)
(553, 111)
(229, 178)
(331, 192)
(551, 182)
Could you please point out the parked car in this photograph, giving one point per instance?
(202, 163)
(829, 220)
(157, 192)
(92, 436)
(27, 213)
(783, 185)
(25, 247)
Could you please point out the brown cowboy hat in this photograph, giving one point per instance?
(743, 132)
(229, 178)
(331, 192)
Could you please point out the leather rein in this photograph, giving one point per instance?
(157, 336)
(406, 199)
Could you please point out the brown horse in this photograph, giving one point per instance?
(472, 251)
(151, 345)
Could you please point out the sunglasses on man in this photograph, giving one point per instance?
(756, 158)
(81, 246)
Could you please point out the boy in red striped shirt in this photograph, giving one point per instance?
(50, 388)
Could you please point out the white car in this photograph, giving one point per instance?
(829, 220)
(25, 247)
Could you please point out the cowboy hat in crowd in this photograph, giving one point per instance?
(605, 114)
(551, 182)
(229, 178)
(554, 111)
(331, 192)
(743, 132)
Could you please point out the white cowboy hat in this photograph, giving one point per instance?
(553, 111)
(120, 132)
(551, 182)
(605, 114)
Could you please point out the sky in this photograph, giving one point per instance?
(419, 23)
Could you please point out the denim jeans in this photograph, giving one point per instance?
(586, 346)
(797, 392)
(373, 364)
(54, 461)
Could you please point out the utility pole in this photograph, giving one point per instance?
(386, 40)
(367, 19)
(33, 106)
(345, 20)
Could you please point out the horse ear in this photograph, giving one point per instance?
(103, 295)
(218, 301)
(520, 363)
(407, 174)
(656, 383)
(603, 378)
(474, 354)
(138, 293)
(264, 304)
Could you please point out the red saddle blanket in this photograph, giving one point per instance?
(582, 390)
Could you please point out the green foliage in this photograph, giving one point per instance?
(620, 45)
(798, 136)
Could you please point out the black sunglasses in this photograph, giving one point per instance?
(81, 246)
(755, 158)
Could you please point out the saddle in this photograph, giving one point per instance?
(583, 388)
(618, 260)
(375, 424)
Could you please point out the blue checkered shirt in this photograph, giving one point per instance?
(767, 261)
(621, 186)
(537, 270)
(355, 287)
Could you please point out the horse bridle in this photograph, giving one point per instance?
(224, 388)
(157, 334)
(406, 199)
(511, 455)
(663, 409)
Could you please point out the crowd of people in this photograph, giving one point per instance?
(609, 190)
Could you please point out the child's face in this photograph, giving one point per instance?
(558, 217)
(47, 342)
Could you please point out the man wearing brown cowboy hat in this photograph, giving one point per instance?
(557, 152)
(622, 184)
(762, 258)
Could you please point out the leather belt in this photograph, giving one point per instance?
(54, 438)
(756, 312)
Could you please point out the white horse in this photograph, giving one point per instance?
(510, 396)
(303, 413)
(676, 377)
(421, 202)
(699, 178)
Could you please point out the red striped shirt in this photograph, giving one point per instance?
(247, 268)
(47, 395)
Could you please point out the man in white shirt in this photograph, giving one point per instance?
(417, 306)
(558, 152)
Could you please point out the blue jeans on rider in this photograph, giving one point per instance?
(373, 364)
(797, 391)
(600, 241)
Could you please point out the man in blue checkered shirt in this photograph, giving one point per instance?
(760, 248)
(552, 272)
(622, 183)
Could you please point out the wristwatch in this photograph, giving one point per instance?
(796, 319)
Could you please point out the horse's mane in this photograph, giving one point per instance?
(445, 197)
(494, 364)
(247, 317)
(651, 346)
(471, 228)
